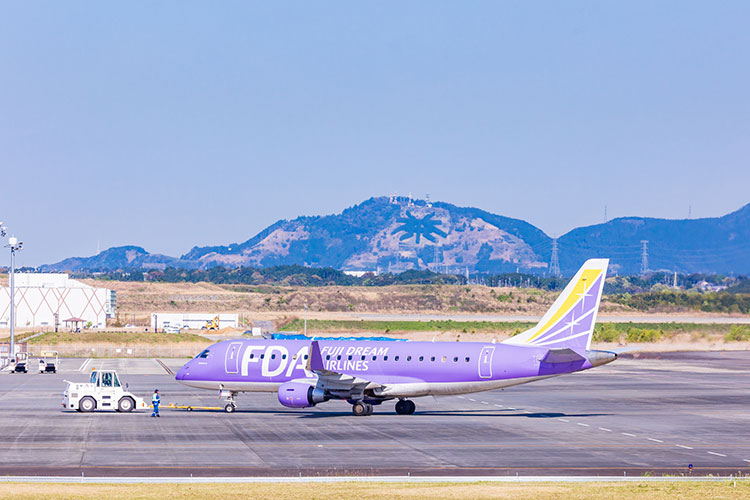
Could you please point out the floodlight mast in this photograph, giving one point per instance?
(14, 245)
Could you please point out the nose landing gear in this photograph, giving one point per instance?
(405, 407)
(231, 406)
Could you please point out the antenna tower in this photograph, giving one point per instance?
(554, 262)
(644, 256)
(436, 259)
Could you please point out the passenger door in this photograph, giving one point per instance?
(485, 361)
(232, 361)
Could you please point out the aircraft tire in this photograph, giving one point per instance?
(410, 407)
(359, 409)
(405, 407)
(230, 408)
(401, 407)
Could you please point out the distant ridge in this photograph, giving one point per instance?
(395, 234)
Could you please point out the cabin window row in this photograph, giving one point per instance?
(396, 358)
(374, 358)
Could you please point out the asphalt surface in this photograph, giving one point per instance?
(650, 414)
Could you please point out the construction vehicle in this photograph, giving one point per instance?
(213, 324)
(102, 392)
(46, 362)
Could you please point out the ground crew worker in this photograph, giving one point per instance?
(155, 400)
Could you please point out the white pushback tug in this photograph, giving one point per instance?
(102, 392)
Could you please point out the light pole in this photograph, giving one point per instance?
(14, 245)
(305, 320)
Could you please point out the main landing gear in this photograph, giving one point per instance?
(405, 407)
(361, 409)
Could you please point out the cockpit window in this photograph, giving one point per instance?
(204, 354)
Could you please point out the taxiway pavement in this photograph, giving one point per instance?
(652, 413)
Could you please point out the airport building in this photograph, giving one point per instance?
(193, 321)
(55, 300)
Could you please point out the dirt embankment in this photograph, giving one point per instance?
(137, 300)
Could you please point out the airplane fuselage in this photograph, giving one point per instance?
(396, 369)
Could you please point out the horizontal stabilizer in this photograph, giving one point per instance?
(565, 355)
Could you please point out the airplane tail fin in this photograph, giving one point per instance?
(569, 323)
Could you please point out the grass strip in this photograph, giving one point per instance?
(729, 490)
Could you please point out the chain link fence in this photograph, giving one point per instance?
(108, 350)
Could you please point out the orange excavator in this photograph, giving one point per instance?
(213, 324)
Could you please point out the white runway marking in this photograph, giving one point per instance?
(683, 446)
(655, 440)
(714, 453)
(499, 406)
(583, 425)
(485, 403)
(563, 420)
(605, 429)
(628, 434)
(472, 399)
(83, 366)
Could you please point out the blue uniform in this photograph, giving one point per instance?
(155, 400)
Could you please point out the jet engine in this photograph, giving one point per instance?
(300, 395)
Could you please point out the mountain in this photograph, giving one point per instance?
(112, 259)
(383, 234)
(710, 245)
(395, 234)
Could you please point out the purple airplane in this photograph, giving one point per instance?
(305, 373)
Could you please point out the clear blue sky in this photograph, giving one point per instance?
(173, 124)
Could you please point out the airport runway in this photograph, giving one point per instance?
(653, 414)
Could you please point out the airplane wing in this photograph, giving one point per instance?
(337, 383)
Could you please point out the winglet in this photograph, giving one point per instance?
(315, 360)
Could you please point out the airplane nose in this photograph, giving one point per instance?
(181, 373)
